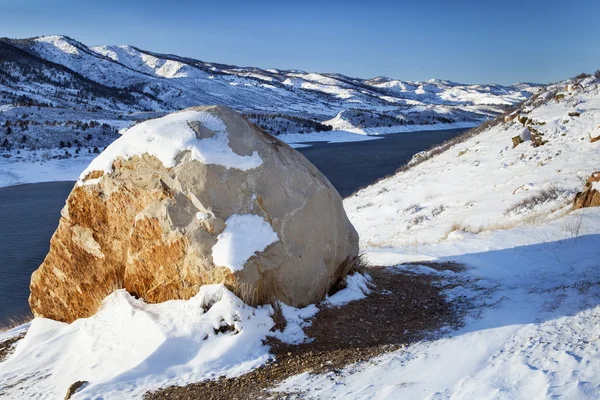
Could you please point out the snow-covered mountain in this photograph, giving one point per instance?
(57, 79)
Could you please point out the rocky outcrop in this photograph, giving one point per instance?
(590, 197)
(195, 198)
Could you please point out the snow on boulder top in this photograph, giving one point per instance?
(172, 134)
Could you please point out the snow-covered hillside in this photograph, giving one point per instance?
(60, 72)
(533, 263)
(484, 183)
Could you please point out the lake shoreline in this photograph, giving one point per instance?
(32, 166)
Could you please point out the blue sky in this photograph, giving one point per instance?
(465, 41)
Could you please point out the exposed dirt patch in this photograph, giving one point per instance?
(403, 308)
(7, 347)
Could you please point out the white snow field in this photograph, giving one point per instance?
(129, 347)
(34, 167)
(533, 329)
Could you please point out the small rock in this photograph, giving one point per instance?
(74, 388)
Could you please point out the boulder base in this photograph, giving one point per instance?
(228, 204)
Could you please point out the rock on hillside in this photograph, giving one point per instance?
(590, 197)
(196, 197)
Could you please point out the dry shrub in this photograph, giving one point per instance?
(438, 210)
(263, 292)
(15, 322)
(278, 318)
(457, 226)
(413, 209)
(416, 221)
(535, 200)
(497, 226)
(359, 265)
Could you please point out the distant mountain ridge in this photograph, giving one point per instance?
(61, 72)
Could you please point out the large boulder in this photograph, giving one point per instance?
(196, 197)
(590, 197)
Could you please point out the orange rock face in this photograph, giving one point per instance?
(590, 197)
(99, 246)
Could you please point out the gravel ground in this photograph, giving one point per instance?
(403, 308)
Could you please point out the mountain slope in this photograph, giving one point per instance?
(131, 80)
(484, 183)
(531, 288)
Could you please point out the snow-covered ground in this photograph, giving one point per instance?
(533, 333)
(38, 166)
(534, 266)
(129, 347)
(484, 183)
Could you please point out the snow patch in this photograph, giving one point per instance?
(357, 288)
(201, 216)
(130, 347)
(244, 236)
(296, 319)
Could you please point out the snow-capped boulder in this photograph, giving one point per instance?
(590, 197)
(196, 197)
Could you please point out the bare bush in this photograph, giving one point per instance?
(438, 210)
(572, 230)
(413, 209)
(533, 201)
(416, 221)
(583, 75)
(13, 323)
(365, 205)
(497, 226)
(358, 265)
